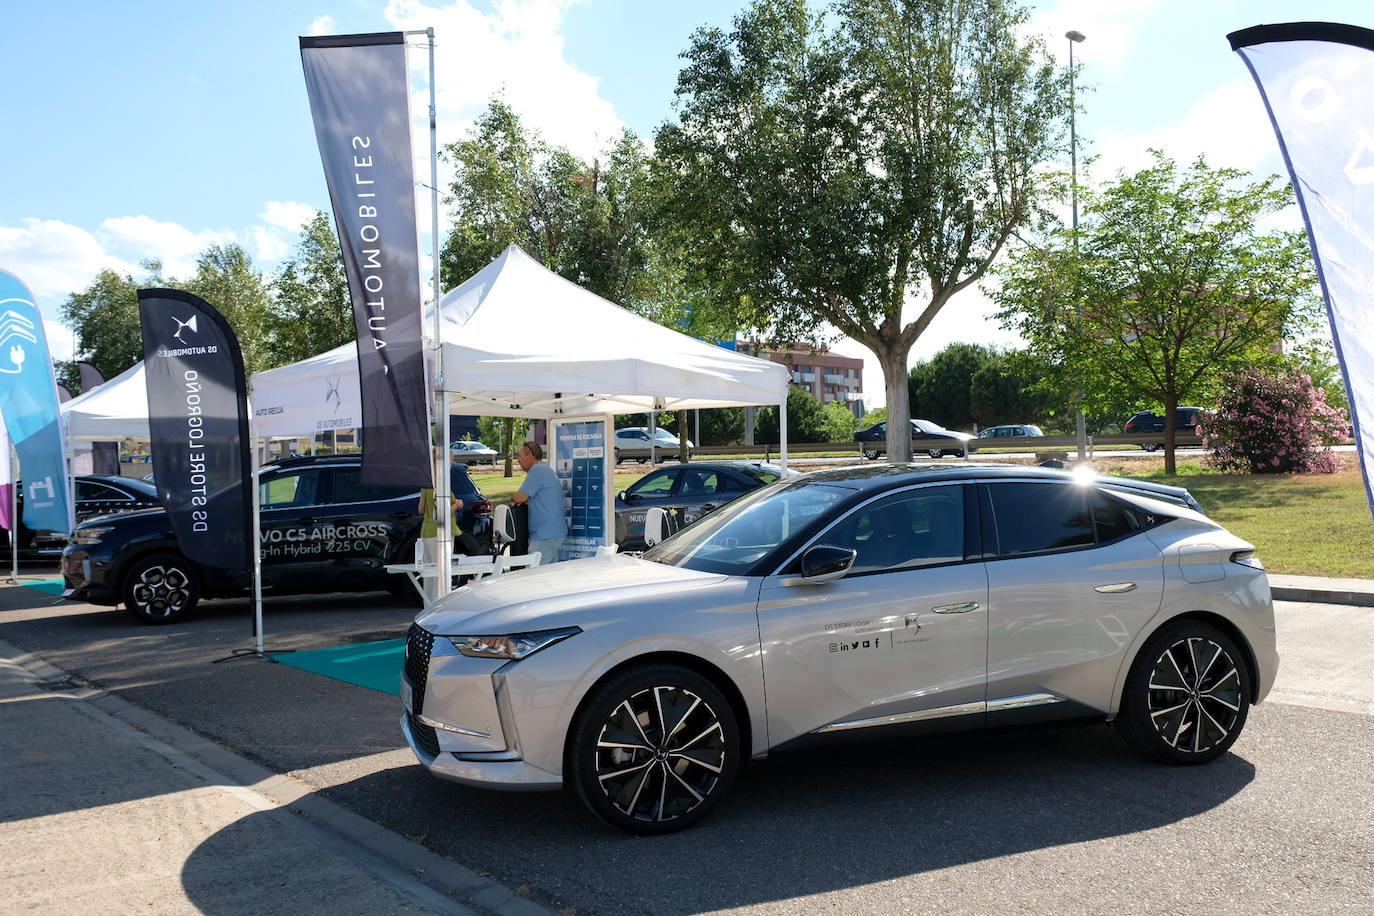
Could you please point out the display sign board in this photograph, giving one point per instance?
(579, 460)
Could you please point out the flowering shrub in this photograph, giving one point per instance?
(1272, 424)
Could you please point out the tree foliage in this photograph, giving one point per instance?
(829, 175)
(1170, 283)
(225, 278)
(1272, 422)
(105, 318)
(310, 310)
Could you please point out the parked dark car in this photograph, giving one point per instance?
(95, 495)
(323, 530)
(1147, 421)
(873, 441)
(691, 490)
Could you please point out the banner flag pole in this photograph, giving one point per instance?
(443, 495)
(14, 514)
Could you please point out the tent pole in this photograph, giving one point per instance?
(782, 433)
(14, 515)
(442, 496)
(256, 466)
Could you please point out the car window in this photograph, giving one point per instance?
(348, 488)
(86, 489)
(1111, 519)
(1035, 517)
(903, 531)
(735, 538)
(659, 483)
(697, 482)
(290, 488)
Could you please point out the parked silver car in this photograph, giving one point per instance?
(838, 604)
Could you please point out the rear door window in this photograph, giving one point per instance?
(349, 488)
(1040, 517)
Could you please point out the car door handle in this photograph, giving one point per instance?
(1117, 589)
(708, 507)
(307, 520)
(956, 608)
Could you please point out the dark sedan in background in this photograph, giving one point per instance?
(95, 495)
(689, 489)
(873, 441)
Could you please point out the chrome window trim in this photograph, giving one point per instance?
(924, 485)
(1024, 701)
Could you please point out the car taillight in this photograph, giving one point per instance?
(1247, 558)
(481, 507)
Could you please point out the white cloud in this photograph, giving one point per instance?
(171, 243)
(61, 341)
(1106, 28)
(54, 259)
(290, 215)
(325, 25)
(284, 220)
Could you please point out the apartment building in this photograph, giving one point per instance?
(828, 376)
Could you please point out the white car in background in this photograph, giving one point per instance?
(472, 452)
(633, 442)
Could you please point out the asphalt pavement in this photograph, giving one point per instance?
(155, 770)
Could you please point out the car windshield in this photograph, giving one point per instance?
(735, 537)
(767, 473)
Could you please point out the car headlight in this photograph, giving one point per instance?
(515, 646)
(87, 536)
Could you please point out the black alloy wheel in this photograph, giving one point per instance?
(937, 453)
(872, 454)
(1187, 695)
(654, 749)
(161, 588)
(1151, 446)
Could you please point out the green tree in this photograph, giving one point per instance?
(310, 310)
(1003, 391)
(105, 319)
(225, 278)
(1172, 282)
(805, 419)
(831, 176)
(941, 389)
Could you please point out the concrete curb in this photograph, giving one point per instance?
(408, 866)
(1323, 590)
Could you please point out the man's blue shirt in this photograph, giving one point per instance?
(546, 503)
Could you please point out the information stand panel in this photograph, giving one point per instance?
(579, 460)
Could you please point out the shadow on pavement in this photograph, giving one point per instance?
(807, 825)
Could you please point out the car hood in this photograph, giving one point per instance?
(560, 594)
(121, 515)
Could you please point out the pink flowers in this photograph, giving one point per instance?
(1268, 424)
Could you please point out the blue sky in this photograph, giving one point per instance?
(152, 129)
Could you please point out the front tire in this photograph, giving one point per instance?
(161, 588)
(1187, 695)
(871, 454)
(937, 453)
(1151, 446)
(654, 749)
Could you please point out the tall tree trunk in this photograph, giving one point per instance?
(1170, 435)
(898, 404)
(507, 433)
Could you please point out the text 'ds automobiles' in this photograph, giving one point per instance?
(881, 600)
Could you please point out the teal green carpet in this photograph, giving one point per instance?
(376, 665)
(51, 586)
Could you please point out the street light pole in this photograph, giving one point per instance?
(1074, 37)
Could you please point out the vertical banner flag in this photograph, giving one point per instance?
(1316, 79)
(6, 481)
(359, 97)
(198, 424)
(28, 401)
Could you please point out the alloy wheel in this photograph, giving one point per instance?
(1195, 695)
(660, 754)
(162, 591)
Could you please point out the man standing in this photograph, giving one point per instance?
(541, 490)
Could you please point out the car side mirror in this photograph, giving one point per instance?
(824, 563)
(627, 497)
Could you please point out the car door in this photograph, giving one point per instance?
(1070, 584)
(700, 490)
(653, 489)
(901, 639)
(363, 526)
(292, 553)
(95, 498)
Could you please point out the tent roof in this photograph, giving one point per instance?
(519, 340)
(117, 408)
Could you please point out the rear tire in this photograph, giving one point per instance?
(871, 454)
(937, 453)
(1187, 695)
(161, 588)
(654, 749)
(1151, 446)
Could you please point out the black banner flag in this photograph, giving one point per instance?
(198, 422)
(359, 97)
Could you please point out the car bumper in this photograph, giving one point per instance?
(487, 771)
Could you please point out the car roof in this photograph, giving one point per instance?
(314, 461)
(117, 480)
(882, 476)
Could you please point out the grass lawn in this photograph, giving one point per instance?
(1302, 524)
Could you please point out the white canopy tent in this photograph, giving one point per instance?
(116, 409)
(519, 340)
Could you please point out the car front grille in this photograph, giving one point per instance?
(419, 645)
